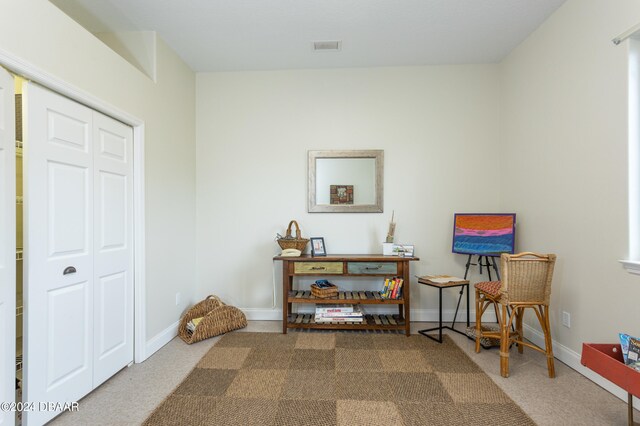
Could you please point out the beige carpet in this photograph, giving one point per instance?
(336, 378)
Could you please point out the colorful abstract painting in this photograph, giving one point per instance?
(484, 234)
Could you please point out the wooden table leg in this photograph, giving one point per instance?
(630, 410)
(406, 295)
(467, 304)
(285, 295)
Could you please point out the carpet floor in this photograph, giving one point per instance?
(336, 378)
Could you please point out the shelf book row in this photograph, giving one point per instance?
(392, 288)
(338, 313)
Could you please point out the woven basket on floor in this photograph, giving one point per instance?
(485, 342)
(218, 318)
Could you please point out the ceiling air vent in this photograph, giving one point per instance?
(327, 46)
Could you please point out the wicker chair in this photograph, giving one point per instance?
(526, 283)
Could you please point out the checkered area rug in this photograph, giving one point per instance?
(336, 378)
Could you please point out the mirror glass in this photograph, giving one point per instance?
(345, 181)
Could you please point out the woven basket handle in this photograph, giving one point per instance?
(298, 233)
(214, 297)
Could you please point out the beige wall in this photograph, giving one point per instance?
(438, 127)
(557, 151)
(549, 124)
(564, 163)
(38, 33)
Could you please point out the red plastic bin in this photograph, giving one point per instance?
(606, 360)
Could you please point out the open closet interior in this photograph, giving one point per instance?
(19, 241)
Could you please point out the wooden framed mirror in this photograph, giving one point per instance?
(346, 181)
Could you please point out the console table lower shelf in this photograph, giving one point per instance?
(370, 322)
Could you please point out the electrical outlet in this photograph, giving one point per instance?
(178, 298)
(566, 319)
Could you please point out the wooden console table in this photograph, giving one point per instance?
(347, 265)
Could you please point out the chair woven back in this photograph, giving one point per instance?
(526, 277)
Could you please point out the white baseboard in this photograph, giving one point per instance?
(159, 340)
(572, 359)
(257, 314)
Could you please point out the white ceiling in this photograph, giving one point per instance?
(221, 35)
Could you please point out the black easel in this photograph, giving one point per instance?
(485, 264)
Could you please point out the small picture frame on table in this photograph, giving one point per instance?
(317, 247)
(403, 250)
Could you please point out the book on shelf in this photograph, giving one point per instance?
(398, 292)
(392, 288)
(387, 281)
(389, 289)
(339, 314)
(351, 311)
(328, 308)
(338, 319)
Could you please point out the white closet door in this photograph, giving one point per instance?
(113, 247)
(58, 196)
(7, 247)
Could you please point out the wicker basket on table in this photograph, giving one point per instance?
(217, 318)
(288, 242)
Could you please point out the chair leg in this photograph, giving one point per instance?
(478, 320)
(548, 342)
(519, 318)
(504, 343)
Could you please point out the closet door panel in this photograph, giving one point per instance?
(58, 196)
(112, 190)
(67, 131)
(111, 314)
(67, 330)
(7, 247)
(113, 299)
(68, 198)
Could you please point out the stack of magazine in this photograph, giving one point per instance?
(630, 350)
(331, 313)
(191, 325)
